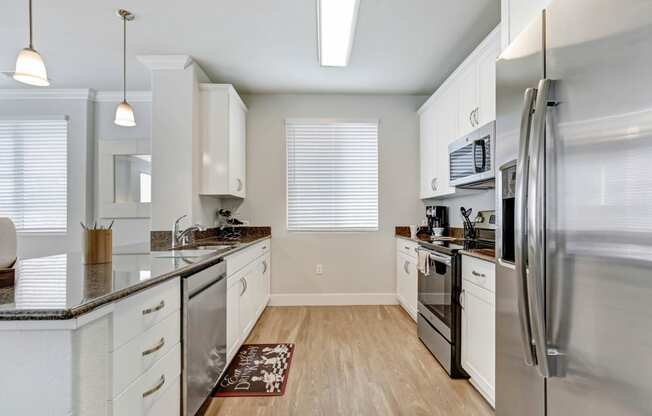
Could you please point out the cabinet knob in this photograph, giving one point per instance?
(239, 184)
(405, 267)
(433, 184)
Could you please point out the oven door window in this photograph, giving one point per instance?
(435, 291)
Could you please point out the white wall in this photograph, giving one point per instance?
(129, 230)
(80, 167)
(353, 263)
(477, 200)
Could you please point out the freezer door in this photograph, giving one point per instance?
(519, 388)
(599, 207)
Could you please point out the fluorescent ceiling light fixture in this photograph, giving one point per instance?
(336, 26)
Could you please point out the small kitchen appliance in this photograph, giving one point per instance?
(437, 217)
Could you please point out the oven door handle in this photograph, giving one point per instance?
(438, 257)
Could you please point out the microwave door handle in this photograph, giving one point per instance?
(536, 233)
(480, 144)
(520, 230)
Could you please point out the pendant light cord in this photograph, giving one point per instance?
(124, 58)
(31, 46)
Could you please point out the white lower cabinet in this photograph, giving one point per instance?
(248, 289)
(479, 324)
(156, 392)
(407, 276)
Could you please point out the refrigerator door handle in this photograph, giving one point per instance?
(536, 233)
(520, 229)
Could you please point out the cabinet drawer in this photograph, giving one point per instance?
(240, 259)
(156, 392)
(138, 313)
(141, 353)
(479, 272)
(407, 247)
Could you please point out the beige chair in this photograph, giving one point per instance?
(7, 243)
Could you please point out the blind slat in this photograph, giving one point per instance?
(332, 178)
(33, 174)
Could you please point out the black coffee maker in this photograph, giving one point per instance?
(437, 216)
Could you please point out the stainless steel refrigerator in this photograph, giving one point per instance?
(574, 202)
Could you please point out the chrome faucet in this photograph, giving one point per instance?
(182, 237)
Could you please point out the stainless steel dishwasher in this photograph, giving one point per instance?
(203, 334)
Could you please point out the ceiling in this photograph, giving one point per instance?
(401, 46)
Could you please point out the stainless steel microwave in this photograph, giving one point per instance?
(471, 158)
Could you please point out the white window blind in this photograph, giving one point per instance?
(33, 174)
(332, 169)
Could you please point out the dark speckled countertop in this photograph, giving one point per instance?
(62, 287)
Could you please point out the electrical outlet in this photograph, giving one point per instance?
(319, 270)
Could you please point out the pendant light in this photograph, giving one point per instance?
(124, 114)
(30, 68)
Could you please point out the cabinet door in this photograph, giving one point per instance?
(267, 277)
(246, 302)
(406, 283)
(233, 330)
(478, 338)
(427, 152)
(237, 146)
(487, 82)
(467, 83)
(447, 131)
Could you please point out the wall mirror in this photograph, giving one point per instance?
(125, 179)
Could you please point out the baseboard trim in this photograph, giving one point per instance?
(332, 299)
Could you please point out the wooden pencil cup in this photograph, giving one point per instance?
(97, 246)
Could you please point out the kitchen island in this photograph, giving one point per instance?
(107, 338)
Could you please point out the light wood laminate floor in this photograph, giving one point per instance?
(354, 360)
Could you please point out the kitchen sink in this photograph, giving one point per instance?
(216, 247)
(188, 253)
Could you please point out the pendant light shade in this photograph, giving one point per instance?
(30, 68)
(124, 113)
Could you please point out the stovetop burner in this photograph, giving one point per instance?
(449, 246)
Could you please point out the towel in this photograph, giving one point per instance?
(7, 243)
(423, 261)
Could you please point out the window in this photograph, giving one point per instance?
(332, 175)
(33, 174)
(145, 187)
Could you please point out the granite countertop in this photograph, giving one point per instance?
(61, 287)
(486, 254)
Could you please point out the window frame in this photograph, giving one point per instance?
(325, 120)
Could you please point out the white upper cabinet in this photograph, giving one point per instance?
(222, 124)
(447, 131)
(467, 83)
(464, 102)
(428, 153)
(487, 80)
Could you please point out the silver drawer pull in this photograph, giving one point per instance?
(156, 388)
(154, 309)
(474, 273)
(264, 247)
(155, 348)
(264, 267)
